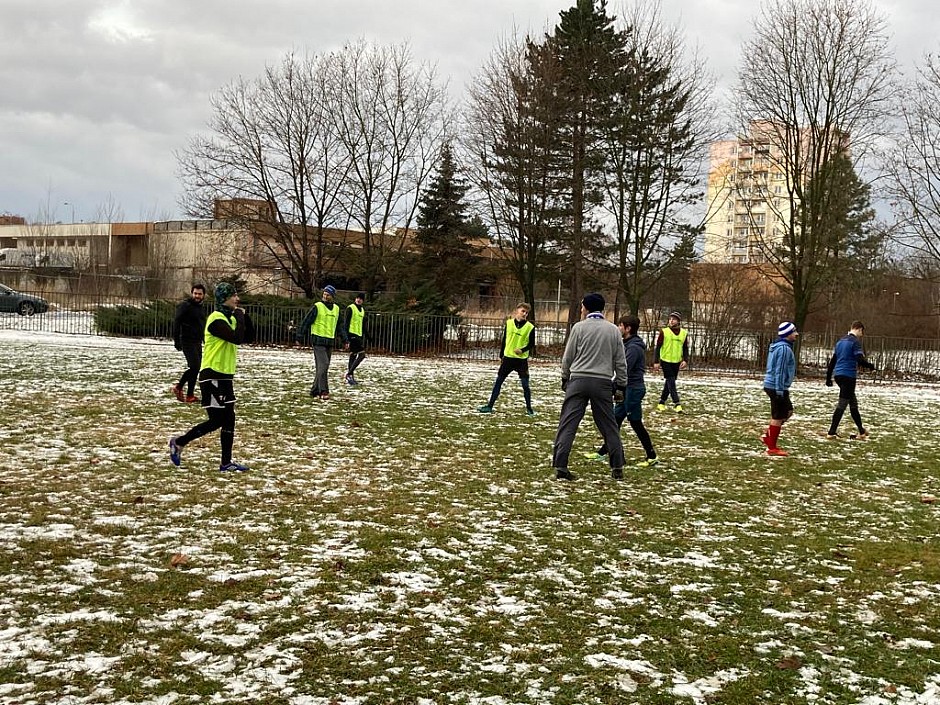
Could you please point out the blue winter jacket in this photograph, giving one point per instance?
(634, 350)
(781, 367)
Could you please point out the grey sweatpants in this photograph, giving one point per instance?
(321, 360)
(599, 392)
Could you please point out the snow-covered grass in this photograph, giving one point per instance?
(392, 545)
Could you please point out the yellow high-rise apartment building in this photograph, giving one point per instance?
(747, 200)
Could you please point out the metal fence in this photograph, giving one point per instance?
(478, 337)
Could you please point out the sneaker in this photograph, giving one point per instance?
(530, 412)
(350, 380)
(648, 463)
(678, 408)
(233, 467)
(832, 436)
(178, 393)
(777, 451)
(617, 473)
(175, 452)
(660, 407)
(595, 456)
(325, 396)
(563, 474)
(485, 409)
(191, 399)
(863, 436)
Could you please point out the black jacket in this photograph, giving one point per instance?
(189, 325)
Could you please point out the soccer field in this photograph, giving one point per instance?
(392, 545)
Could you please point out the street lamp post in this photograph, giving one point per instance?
(72, 205)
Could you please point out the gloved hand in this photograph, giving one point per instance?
(828, 382)
(564, 385)
(618, 396)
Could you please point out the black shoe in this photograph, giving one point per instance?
(617, 473)
(563, 474)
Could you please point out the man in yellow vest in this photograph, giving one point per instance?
(320, 325)
(518, 343)
(226, 327)
(353, 340)
(672, 355)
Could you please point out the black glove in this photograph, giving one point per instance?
(564, 385)
(618, 396)
(828, 381)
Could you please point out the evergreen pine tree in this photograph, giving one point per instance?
(445, 234)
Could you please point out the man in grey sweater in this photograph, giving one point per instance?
(593, 369)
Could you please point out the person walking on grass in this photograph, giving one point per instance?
(781, 371)
(320, 325)
(846, 358)
(189, 327)
(353, 340)
(517, 344)
(631, 408)
(671, 354)
(226, 328)
(593, 370)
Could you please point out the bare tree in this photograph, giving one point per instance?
(511, 162)
(661, 124)
(274, 140)
(814, 84)
(914, 160)
(391, 117)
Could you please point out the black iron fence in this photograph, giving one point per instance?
(475, 337)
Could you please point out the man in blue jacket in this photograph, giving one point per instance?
(781, 371)
(631, 408)
(843, 365)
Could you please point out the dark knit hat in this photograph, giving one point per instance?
(329, 289)
(593, 302)
(223, 292)
(676, 315)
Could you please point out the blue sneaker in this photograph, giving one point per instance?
(175, 452)
(232, 467)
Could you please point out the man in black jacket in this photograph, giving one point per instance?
(189, 328)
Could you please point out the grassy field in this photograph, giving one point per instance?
(392, 545)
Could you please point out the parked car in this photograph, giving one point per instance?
(24, 304)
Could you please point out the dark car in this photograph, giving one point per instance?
(24, 304)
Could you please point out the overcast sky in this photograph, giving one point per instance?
(97, 95)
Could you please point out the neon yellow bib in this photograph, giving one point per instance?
(217, 354)
(671, 351)
(517, 338)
